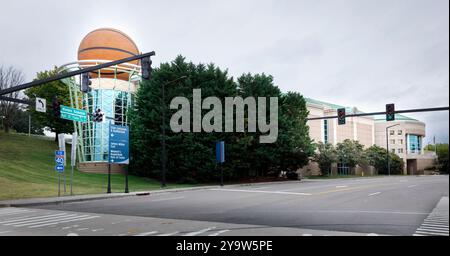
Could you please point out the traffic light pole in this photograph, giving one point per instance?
(383, 113)
(74, 73)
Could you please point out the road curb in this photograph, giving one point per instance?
(70, 199)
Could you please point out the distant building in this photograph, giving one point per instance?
(406, 138)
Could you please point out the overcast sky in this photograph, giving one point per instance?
(362, 53)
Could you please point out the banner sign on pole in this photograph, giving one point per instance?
(220, 152)
(119, 144)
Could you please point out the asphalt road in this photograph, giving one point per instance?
(381, 205)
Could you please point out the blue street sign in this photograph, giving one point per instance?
(59, 168)
(59, 161)
(119, 144)
(220, 152)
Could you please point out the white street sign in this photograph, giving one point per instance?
(41, 105)
(62, 145)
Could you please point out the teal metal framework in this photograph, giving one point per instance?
(114, 101)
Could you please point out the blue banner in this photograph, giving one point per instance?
(220, 152)
(119, 144)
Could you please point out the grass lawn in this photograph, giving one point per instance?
(27, 170)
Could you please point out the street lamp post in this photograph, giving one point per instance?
(387, 149)
(164, 152)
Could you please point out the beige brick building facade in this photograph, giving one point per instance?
(406, 137)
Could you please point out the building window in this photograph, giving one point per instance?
(392, 141)
(400, 142)
(325, 131)
(391, 132)
(400, 132)
(393, 150)
(414, 144)
(400, 151)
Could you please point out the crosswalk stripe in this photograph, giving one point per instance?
(28, 223)
(14, 212)
(430, 233)
(30, 218)
(147, 233)
(433, 230)
(437, 222)
(169, 234)
(434, 225)
(64, 221)
(219, 232)
(199, 232)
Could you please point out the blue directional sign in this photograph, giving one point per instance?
(119, 144)
(220, 152)
(59, 161)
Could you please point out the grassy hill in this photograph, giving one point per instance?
(27, 170)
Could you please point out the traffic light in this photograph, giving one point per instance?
(98, 116)
(341, 116)
(390, 112)
(85, 83)
(146, 68)
(56, 105)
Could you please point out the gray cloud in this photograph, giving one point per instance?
(362, 53)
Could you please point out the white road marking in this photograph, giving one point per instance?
(307, 235)
(199, 232)
(147, 233)
(81, 229)
(403, 180)
(341, 186)
(219, 232)
(411, 186)
(37, 221)
(95, 230)
(263, 191)
(169, 234)
(434, 230)
(167, 199)
(374, 194)
(64, 221)
(31, 218)
(372, 234)
(259, 188)
(4, 232)
(13, 212)
(72, 234)
(436, 224)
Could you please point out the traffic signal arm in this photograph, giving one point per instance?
(74, 73)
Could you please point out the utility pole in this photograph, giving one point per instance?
(163, 142)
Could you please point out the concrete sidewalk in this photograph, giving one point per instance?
(79, 198)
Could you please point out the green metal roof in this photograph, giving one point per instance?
(330, 105)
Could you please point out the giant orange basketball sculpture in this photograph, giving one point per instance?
(107, 44)
(112, 93)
